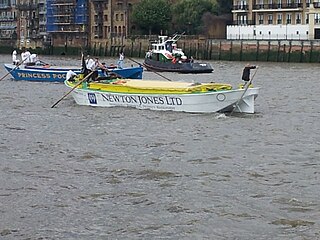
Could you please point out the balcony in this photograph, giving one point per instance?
(281, 7)
(248, 22)
(5, 6)
(53, 2)
(240, 8)
(7, 19)
(316, 4)
(26, 7)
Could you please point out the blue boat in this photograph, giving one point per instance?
(47, 73)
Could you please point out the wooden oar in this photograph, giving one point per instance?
(13, 69)
(75, 86)
(244, 92)
(151, 70)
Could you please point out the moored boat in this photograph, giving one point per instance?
(46, 73)
(166, 57)
(164, 95)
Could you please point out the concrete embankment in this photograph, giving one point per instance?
(200, 48)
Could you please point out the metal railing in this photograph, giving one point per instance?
(277, 6)
(240, 7)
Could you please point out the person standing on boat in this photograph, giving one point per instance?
(149, 54)
(92, 66)
(89, 63)
(15, 61)
(120, 61)
(246, 73)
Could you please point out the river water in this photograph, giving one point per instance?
(77, 172)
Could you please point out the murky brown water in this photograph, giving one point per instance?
(76, 172)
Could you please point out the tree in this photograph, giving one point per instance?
(224, 6)
(152, 15)
(187, 15)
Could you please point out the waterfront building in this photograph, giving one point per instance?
(87, 22)
(42, 12)
(67, 22)
(110, 20)
(31, 28)
(8, 19)
(38, 23)
(275, 20)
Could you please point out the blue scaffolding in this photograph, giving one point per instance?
(67, 15)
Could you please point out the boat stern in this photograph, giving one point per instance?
(247, 102)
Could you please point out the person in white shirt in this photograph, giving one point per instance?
(70, 75)
(90, 63)
(23, 55)
(91, 66)
(27, 56)
(120, 62)
(15, 61)
(33, 58)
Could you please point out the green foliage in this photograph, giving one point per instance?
(152, 15)
(187, 15)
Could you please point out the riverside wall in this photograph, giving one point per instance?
(306, 51)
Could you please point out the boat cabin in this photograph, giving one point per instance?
(165, 49)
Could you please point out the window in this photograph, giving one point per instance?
(270, 19)
(243, 4)
(289, 18)
(242, 19)
(307, 18)
(298, 18)
(317, 18)
(260, 18)
(279, 3)
(105, 31)
(279, 19)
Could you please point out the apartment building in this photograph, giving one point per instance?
(110, 19)
(275, 20)
(27, 22)
(67, 22)
(36, 23)
(8, 19)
